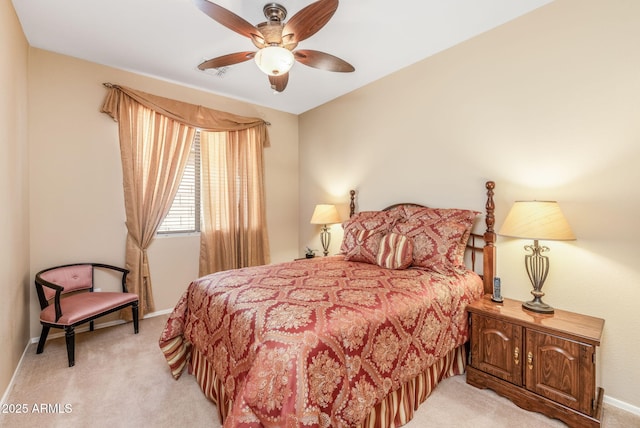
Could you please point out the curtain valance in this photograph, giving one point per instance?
(189, 114)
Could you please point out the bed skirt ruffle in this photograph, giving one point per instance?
(394, 411)
(398, 407)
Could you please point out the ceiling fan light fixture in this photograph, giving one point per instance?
(274, 60)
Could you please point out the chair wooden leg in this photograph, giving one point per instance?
(134, 311)
(70, 339)
(90, 325)
(43, 339)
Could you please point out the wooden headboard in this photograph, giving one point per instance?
(484, 243)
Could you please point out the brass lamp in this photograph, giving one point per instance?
(537, 220)
(325, 214)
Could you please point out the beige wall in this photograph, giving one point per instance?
(14, 209)
(548, 106)
(76, 177)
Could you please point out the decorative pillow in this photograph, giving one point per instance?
(438, 237)
(395, 252)
(464, 218)
(367, 244)
(362, 235)
(408, 211)
(462, 246)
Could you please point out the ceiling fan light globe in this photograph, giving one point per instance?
(274, 60)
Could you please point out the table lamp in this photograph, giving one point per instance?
(537, 220)
(325, 214)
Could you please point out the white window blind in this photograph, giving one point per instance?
(184, 215)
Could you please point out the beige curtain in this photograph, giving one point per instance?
(155, 138)
(154, 151)
(234, 232)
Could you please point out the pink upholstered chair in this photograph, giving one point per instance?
(67, 299)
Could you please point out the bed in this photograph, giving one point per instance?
(358, 339)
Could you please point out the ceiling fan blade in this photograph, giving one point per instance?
(231, 21)
(308, 21)
(225, 60)
(278, 83)
(322, 61)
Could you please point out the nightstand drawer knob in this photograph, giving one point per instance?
(530, 360)
(516, 356)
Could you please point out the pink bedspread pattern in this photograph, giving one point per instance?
(317, 342)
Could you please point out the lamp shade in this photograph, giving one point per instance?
(541, 220)
(274, 60)
(325, 214)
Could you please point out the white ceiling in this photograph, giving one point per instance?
(167, 39)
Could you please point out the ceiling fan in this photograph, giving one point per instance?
(276, 40)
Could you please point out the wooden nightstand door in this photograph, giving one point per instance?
(498, 349)
(561, 370)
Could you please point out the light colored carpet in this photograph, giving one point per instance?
(122, 380)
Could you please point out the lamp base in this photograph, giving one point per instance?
(537, 269)
(325, 239)
(537, 305)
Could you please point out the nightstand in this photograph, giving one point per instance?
(541, 362)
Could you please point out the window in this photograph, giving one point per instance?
(184, 215)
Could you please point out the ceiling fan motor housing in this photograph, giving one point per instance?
(272, 32)
(274, 12)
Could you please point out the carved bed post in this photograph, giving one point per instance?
(352, 204)
(489, 251)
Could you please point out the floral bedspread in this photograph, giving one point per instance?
(317, 342)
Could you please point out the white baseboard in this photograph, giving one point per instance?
(621, 405)
(61, 334)
(13, 378)
(158, 313)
